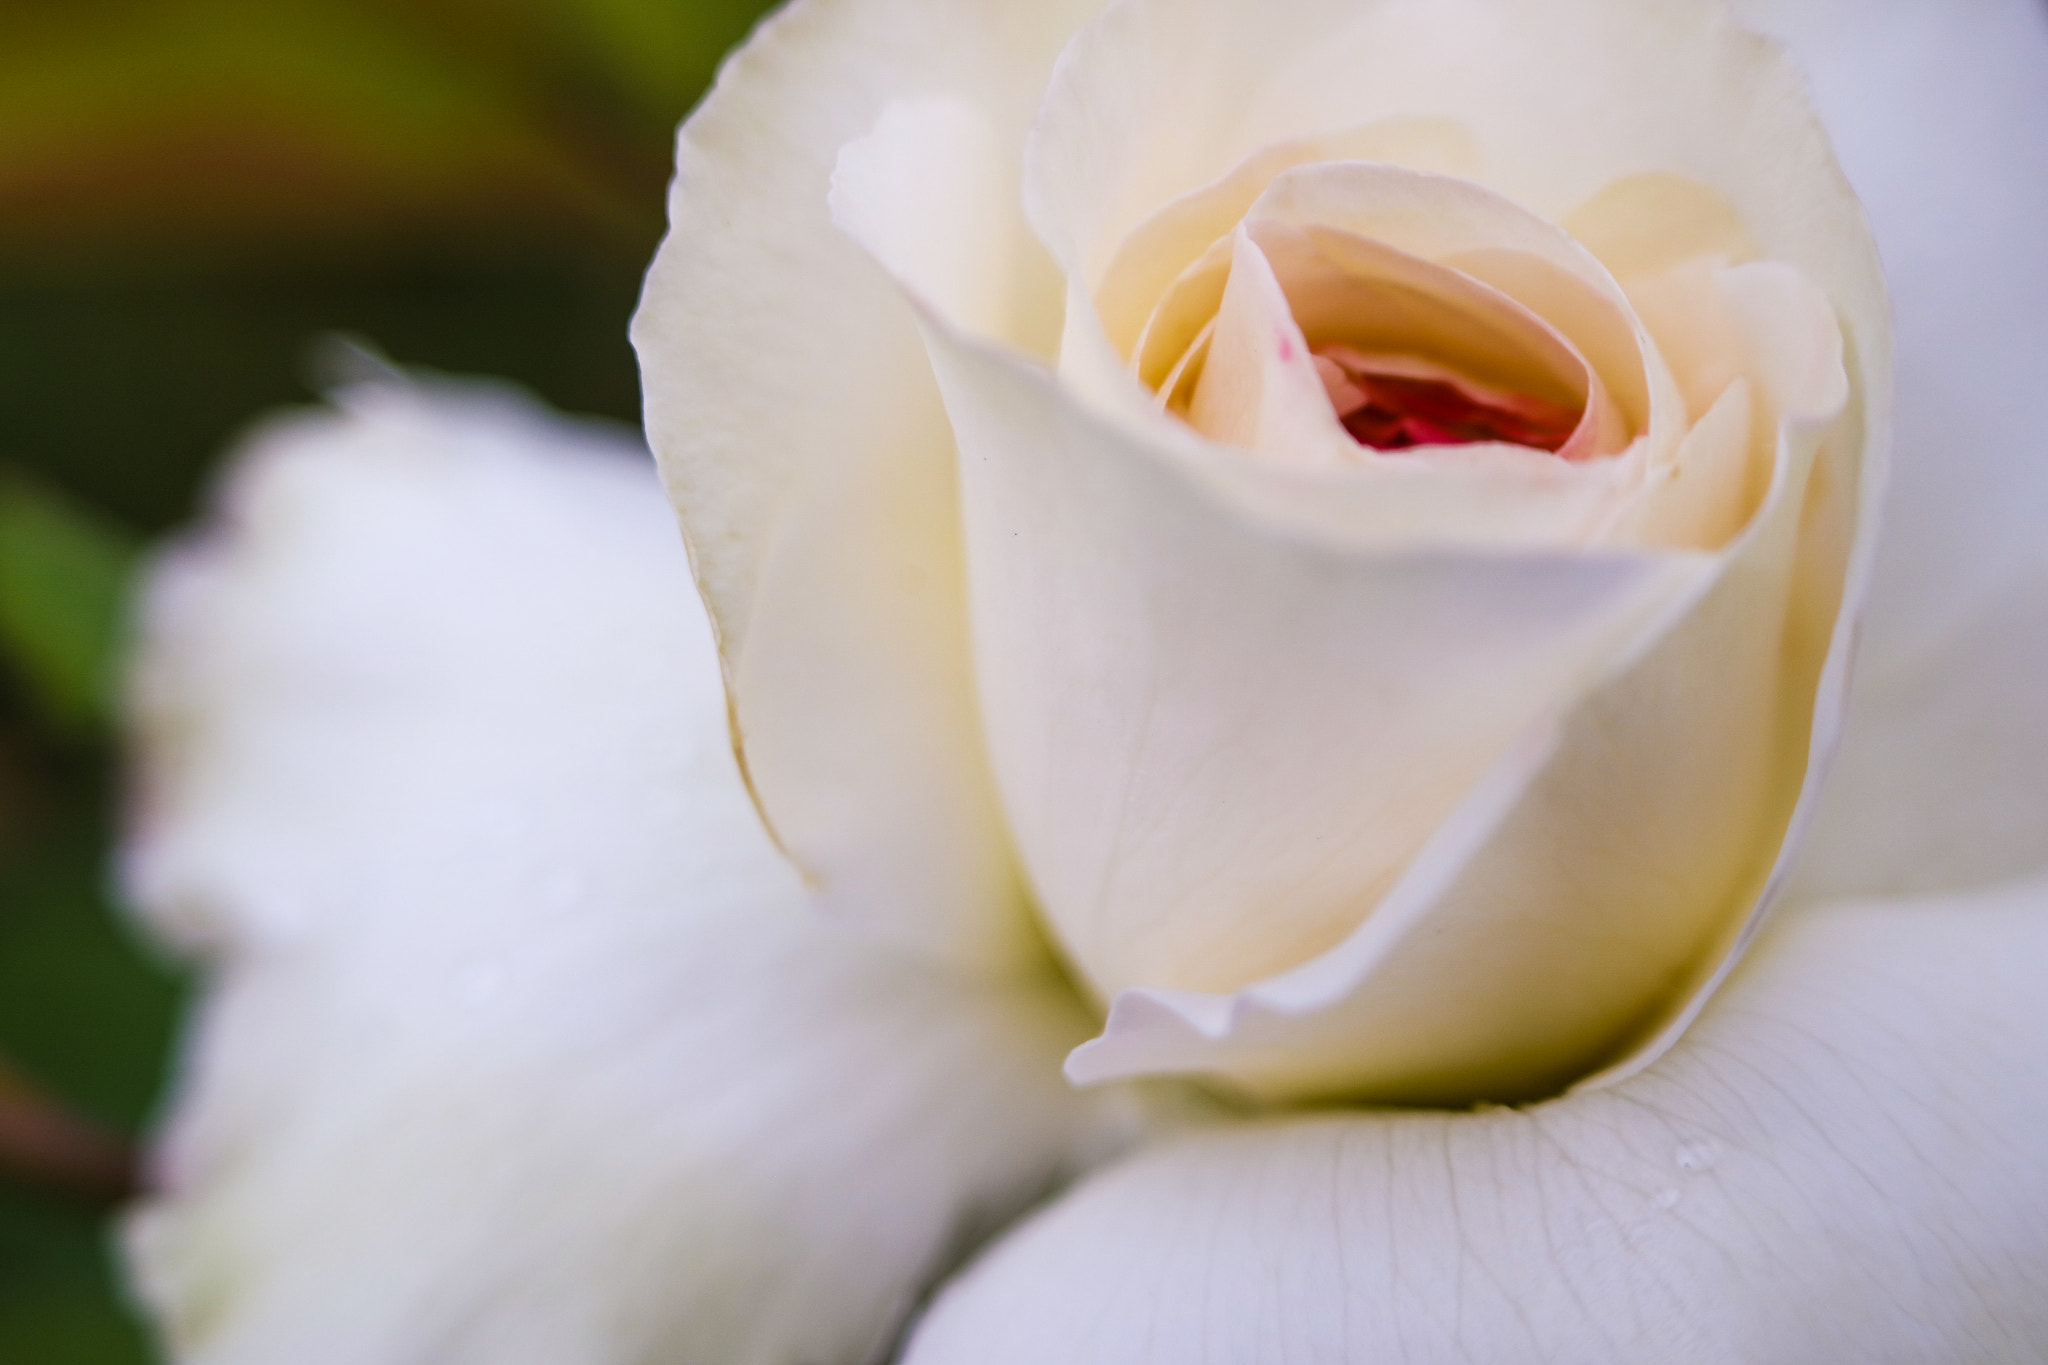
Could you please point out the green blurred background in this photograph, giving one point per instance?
(191, 193)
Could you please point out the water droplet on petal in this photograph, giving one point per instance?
(1698, 1156)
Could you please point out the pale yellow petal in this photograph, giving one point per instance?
(793, 413)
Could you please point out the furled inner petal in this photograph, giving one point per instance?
(1258, 388)
(1385, 351)
(1177, 235)
(1444, 321)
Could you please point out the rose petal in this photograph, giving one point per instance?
(1259, 388)
(1842, 1162)
(1200, 85)
(1940, 109)
(519, 1045)
(1322, 287)
(794, 416)
(1178, 233)
(1497, 243)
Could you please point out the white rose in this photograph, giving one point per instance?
(1435, 772)
(528, 1045)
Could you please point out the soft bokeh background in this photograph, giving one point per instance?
(192, 193)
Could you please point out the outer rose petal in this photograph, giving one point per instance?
(521, 1044)
(794, 416)
(1842, 1162)
(1940, 111)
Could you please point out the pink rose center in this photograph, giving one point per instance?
(1395, 402)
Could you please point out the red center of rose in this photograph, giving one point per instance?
(1399, 402)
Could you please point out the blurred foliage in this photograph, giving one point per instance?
(220, 124)
(81, 1007)
(64, 576)
(192, 192)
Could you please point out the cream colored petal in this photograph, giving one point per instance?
(1842, 1162)
(1192, 715)
(1350, 288)
(1498, 243)
(1178, 233)
(1162, 96)
(1709, 491)
(1290, 287)
(798, 431)
(1940, 110)
(1760, 338)
(519, 1044)
(1682, 308)
(1649, 222)
(1259, 389)
(929, 186)
(1669, 241)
